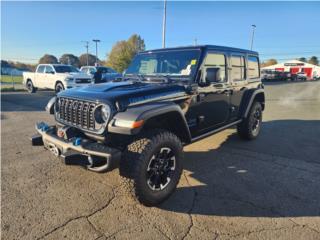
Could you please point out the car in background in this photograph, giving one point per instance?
(101, 74)
(300, 76)
(57, 77)
(272, 75)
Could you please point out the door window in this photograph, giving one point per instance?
(253, 67)
(238, 68)
(41, 69)
(49, 69)
(216, 60)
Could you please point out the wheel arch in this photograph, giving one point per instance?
(171, 121)
(167, 116)
(249, 99)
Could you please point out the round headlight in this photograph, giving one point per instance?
(105, 112)
(102, 114)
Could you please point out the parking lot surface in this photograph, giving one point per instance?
(230, 188)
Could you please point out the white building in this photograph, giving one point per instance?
(294, 66)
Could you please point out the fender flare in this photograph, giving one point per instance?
(248, 101)
(50, 105)
(146, 112)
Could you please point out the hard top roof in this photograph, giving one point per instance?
(205, 47)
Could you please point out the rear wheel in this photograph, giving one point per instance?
(30, 87)
(250, 127)
(59, 87)
(153, 166)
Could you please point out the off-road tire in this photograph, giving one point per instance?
(136, 159)
(248, 129)
(59, 87)
(30, 87)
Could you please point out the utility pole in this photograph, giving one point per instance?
(87, 47)
(252, 36)
(195, 41)
(96, 41)
(164, 20)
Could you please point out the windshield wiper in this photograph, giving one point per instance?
(138, 77)
(164, 78)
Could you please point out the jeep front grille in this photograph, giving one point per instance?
(77, 113)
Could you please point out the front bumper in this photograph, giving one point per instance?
(47, 136)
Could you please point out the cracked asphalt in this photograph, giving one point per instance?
(230, 189)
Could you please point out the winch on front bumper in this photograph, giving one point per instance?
(62, 140)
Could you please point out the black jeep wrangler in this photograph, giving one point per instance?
(166, 99)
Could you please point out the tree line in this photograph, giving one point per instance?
(119, 57)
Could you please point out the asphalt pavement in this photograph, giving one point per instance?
(230, 189)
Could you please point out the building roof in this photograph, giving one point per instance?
(294, 62)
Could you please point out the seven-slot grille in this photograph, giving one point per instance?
(77, 113)
(83, 80)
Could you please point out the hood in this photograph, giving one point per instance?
(126, 93)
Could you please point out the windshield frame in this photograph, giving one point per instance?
(190, 77)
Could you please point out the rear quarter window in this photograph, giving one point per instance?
(253, 67)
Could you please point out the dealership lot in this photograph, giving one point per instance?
(230, 189)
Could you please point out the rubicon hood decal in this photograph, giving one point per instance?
(157, 96)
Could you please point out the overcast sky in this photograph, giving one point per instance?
(285, 30)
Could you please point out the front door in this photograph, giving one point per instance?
(49, 79)
(210, 109)
(39, 76)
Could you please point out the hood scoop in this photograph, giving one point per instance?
(105, 87)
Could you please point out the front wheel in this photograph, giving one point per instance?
(30, 87)
(250, 127)
(155, 163)
(59, 87)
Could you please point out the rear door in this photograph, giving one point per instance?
(238, 78)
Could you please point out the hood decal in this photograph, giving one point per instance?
(158, 96)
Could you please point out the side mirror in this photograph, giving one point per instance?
(51, 72)
(212, 75)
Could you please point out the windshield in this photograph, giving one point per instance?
(65, 69)
(173, 63)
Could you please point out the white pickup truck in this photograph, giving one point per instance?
(56, 77)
